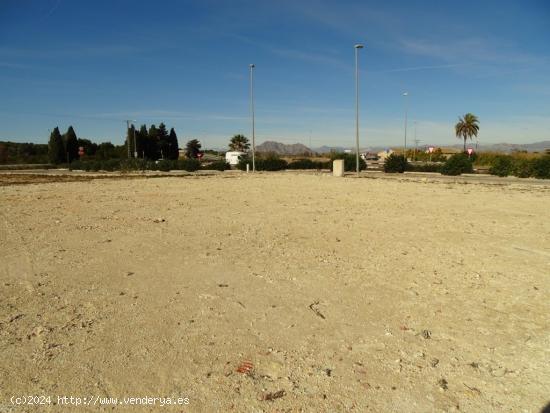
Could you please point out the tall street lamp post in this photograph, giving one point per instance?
(252, 66)
(415, 142)
(128, 138)
(357, 47)
(405, 94)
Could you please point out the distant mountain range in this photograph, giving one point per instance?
(283, 148)
(510, 147)
(298, 148)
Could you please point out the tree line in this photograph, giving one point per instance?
(153, 143)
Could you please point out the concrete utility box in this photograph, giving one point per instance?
(232, 157)
(338, 167)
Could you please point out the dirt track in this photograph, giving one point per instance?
(342, 294)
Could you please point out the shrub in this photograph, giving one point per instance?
(269, 163)
(395, 164)
(350, 161)
(217, 166)
(488, 158)
(94, 166)
(189, 164)
(523, 168)
(110, 165)
(165, 165)
(541, 167)
(457, 164)
(133, 164)
(428, 167)
(243, 160)
(308, 164)
(76, 165)
(502, 165)
(151, 166)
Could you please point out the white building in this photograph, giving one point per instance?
(384, 154)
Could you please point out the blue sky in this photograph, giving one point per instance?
(93, 64)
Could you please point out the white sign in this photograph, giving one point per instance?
(431, 149)
(470, 151)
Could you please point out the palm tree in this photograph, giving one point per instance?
(239, 143)
(467, 126)
(193, 148)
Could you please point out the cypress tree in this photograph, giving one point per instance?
(130, 141)
(56, 149)
(173, 150)
(3, 153)
(141, 141)
(163, 141)
(71, 145)
(152, 140)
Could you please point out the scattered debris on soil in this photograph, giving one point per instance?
(245, 367)
(315, 310)
(273, 396)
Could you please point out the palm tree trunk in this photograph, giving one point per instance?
(465, 144)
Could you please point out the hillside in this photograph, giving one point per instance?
(508, 147)
(282, 148)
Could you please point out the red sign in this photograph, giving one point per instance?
(81, 150)
(431, 149)
(199, 155)
(470, 151)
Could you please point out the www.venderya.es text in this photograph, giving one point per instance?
(31, 400)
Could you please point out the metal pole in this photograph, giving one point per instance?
(128, 138)
(252, 112)
(415, 141)
(357, 47)
(135, 144)
(406, 94)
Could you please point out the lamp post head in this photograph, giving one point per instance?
(252, 65)
(405, 93)
(358, 46)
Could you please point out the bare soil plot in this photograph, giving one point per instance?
(277, 292)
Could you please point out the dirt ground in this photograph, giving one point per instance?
(280, 292)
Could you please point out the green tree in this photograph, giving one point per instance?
(239, 143)
(107, 150)
(129, 143)
(457, 164)
(395, 164)
(71, 145)
(350, 161)
(163, 144)
(141, 141)
(3, 153)
(173, 149)
(153, 150)
(90, 148)
(193, 148)
(56, 149)
(467, 127)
